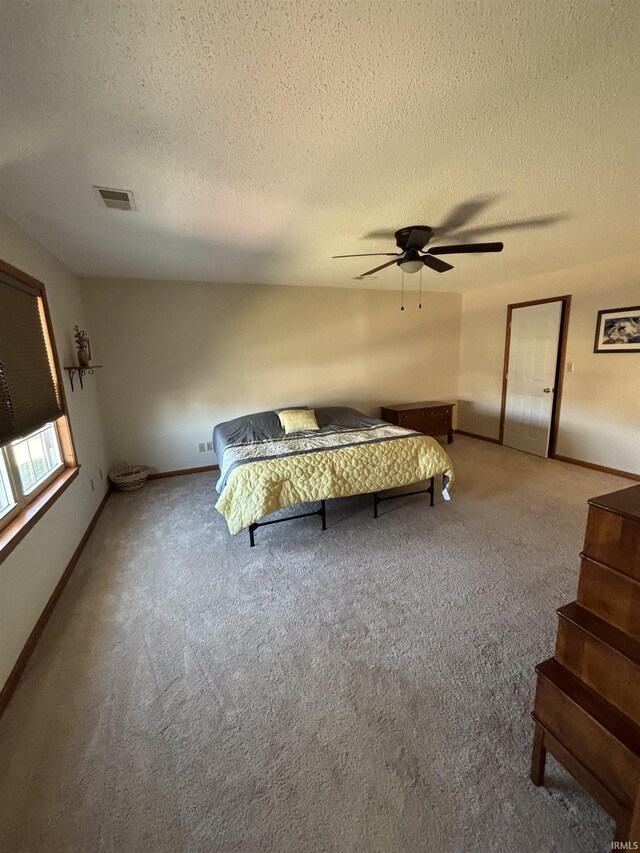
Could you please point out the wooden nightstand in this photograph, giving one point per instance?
(431, 417)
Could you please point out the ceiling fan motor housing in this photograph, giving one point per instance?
(402, 235)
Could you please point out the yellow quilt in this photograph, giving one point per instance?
(259, 488)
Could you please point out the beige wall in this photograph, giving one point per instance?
(600, 414)
(30, 573)
(179, 357)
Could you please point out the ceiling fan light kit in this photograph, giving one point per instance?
(412, 262)
(412, 256)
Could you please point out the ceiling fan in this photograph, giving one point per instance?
(412, 257)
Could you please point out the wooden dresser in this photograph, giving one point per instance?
(587, 705)
(431, 417)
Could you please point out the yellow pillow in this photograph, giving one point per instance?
(298, 420)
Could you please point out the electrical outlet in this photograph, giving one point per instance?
(209, 445)
(93, 488)
(570, 367)
(201, 447)
(101, 474)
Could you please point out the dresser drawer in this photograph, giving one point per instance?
(611, 595)
(437, 425)
(601, 665)
(412, 420)
(440, 413)
(615, 763)
(614, 540)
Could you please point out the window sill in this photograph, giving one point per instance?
(18, 528)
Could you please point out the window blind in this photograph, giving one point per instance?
(28, 393)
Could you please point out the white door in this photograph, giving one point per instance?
(531, 375)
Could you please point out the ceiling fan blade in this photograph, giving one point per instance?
(463, 213)
(381, 234)
(466, 248)
(418, 239)
(370, 255)
(377, 269)
(540, 222)
(436, 264)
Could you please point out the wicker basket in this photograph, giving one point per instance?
(128, 478)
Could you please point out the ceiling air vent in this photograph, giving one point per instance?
(116, 199)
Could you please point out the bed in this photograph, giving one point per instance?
(262, 470)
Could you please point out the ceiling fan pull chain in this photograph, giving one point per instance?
(420, 305)
(402, 308)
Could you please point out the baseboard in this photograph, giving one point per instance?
(34, 636)
(615, 471)
(475, 435)
(158, 474)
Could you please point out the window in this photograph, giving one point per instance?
(36, 457)
(35, 440)
(27, 467)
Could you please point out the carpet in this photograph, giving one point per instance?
(368, 688)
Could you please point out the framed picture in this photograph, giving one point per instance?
(618, 330)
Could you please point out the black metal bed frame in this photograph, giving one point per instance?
(431, 490)
(322, 512)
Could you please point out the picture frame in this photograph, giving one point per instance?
(618, 330)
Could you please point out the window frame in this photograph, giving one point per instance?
(30, 507)
(22, 496)
(8, 479)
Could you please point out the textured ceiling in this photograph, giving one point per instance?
(260, 138)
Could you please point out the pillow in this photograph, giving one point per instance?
(298, 420)
(286, 409)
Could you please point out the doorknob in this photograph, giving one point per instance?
(547, 390)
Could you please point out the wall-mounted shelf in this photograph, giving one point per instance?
(81, 371)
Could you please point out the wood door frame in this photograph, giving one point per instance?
(559, 378)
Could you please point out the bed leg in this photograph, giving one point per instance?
(252, 540)
(432, 489)
(323, 515)
(375, 504)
